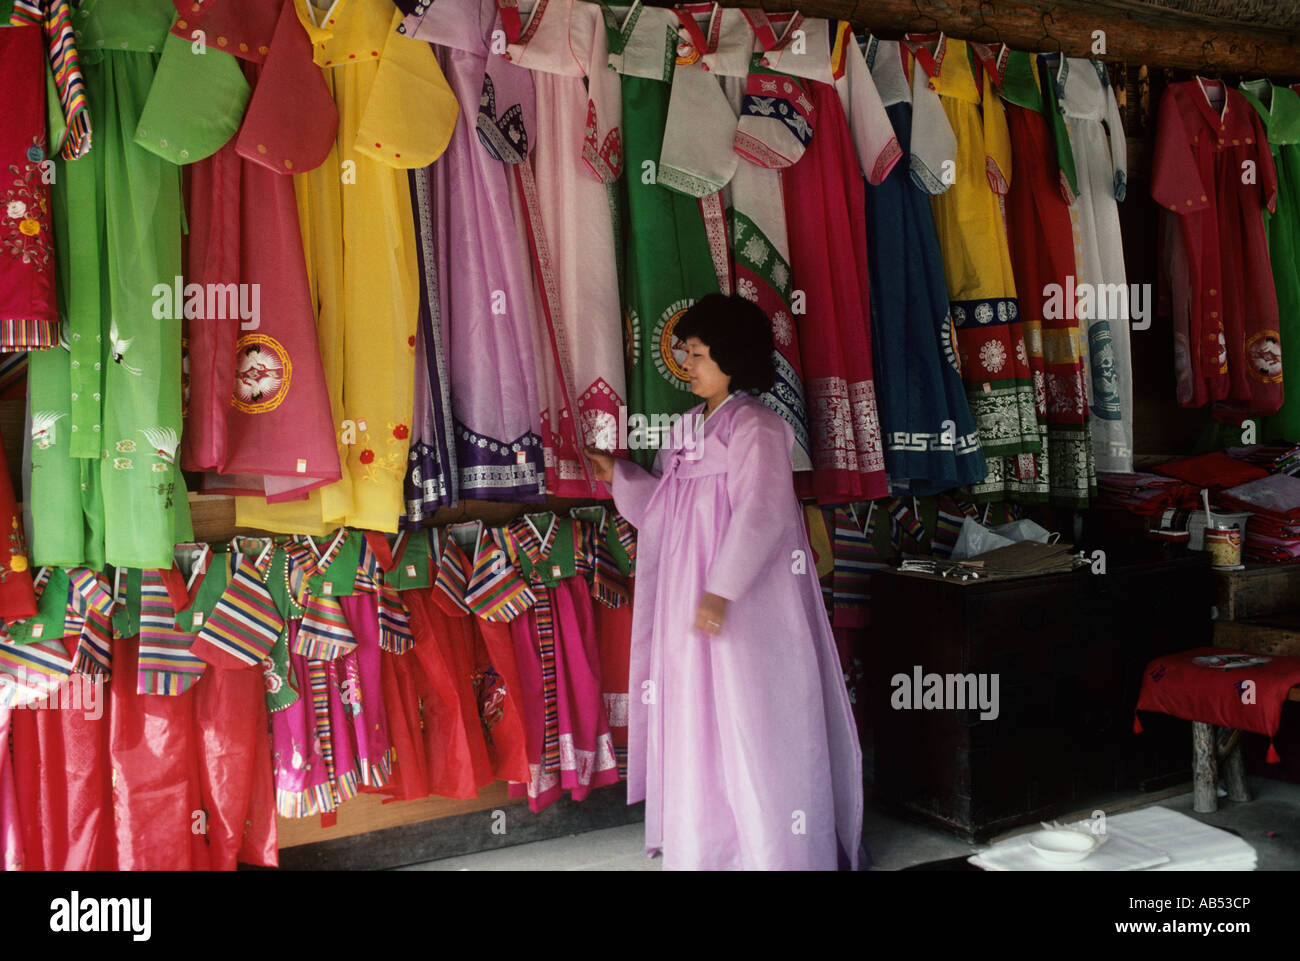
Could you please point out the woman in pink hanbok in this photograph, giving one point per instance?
(741, 739)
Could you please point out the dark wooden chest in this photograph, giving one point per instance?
(1068, 651)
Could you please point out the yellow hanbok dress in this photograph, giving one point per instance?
(396, 112)
(971, 226)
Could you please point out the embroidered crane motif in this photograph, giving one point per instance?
(164, 442)
(119, 346)
(43, 422)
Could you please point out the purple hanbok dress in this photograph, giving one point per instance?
(742, 745)
(484, 297)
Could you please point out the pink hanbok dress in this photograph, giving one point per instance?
(743, 744)
(558, 657)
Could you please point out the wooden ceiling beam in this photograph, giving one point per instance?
(1134, 32)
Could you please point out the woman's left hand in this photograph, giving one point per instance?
(711, 613)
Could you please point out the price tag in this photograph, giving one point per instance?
(302, 465)
(328, 588)
(555, 570)
(410, 570)
(521, 457)
(362, 424)
(198, 618)
(38, 629)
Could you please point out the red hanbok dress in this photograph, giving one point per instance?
(1213, 173)
(255, 382)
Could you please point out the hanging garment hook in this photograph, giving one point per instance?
(983, 22)
(1046, 19)
(914, 25)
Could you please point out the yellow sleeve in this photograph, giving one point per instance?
(411, 112)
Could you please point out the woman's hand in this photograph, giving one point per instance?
(602, 464)
(711, 613)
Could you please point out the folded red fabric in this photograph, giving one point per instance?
(1216, 470)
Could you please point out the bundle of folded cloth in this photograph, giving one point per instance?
(1152, 839)
(1274, 458)
(1273, 535)
(1216, 471)
(1148, 495)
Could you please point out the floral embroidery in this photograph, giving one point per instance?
(395, 451)
(273, 682)
(123, 463)
(17, 552)
(782, 328)
(747, 288)
(25, 228)
(126, 446)
(780, 273)
(994, 355)
(756, 250)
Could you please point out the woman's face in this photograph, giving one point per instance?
(707, 378)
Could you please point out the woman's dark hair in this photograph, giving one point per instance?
(738, 335)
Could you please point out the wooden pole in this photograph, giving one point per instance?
(1233, 766)
(1135, 32)
(1205, 775)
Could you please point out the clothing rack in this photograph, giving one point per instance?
(1136, 31)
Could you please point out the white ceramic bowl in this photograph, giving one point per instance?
(1063, 847)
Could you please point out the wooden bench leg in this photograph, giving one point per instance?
(1234, 768)
(1205, 774)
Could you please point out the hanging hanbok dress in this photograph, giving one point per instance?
(484, 295)
(609, 554)
(977, 263)
(930, 440)
(826, 222)
(559, 664)
(1039, 232)
(667, 262)
(255, 373)
(396, 113)
(66, 822)
(190, 754)
(568, 195)
(449, 656)
(1213, 174)
(70, 133)
(17, 598)
(330, 742)
(105, 415)
(741, 744)
(1087, 101)
(406, 566)
(706, 151)
(1279, 112)
(474, 577)
(29, 317)
(11, 834)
